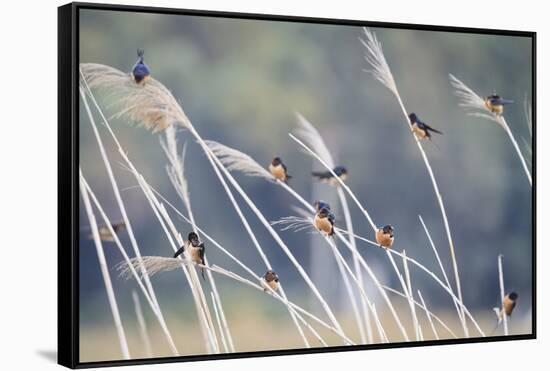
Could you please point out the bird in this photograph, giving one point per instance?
(495, 103)
(508, 305)
(141, 72)
(195, 249)
(421, 129)
(384, 236)
(324, 221)
(278, 170)
(270, 280)
(105, 232)
(327, 177)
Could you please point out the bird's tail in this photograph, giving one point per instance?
(179, 252)
(202, 274)
(506, 101)
(319, 174)
(436, 131)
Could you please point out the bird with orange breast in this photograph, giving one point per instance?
(278, 170)
(495, 103)
(384, 236)
(508, 304)
(270, 280)
(324, 221)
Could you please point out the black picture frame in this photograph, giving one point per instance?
(68, 202)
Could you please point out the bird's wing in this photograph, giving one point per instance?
(201, 253)
(179, 252)
(432, 129)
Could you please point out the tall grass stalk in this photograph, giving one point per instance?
(435, 278)
(212, 159)
(108, 224)
(221, 328)
(244, 267)
(210, 342)
(312, 136)
(120, 203)
(425, 308)
(176, 173)
(470, 100)
(143, 333)
(502, 294)
(416, 324)
(381, 72)
(274, 234)
(428, 315)
(105, 272)
(458, 311)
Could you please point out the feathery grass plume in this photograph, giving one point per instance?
(470, 100)
(235, 160)
(144, 334)
(375, 57)
(425, 308)
(311, 136)
(105, 272)
(381, 71)
(428, 315)
(150, 105)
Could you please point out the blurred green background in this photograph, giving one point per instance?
(240, 82)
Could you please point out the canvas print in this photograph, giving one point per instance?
(254, 185)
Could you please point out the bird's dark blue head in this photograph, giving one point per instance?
(340, 170)
(413, 118)
(193, 238)
(320, 204)
(387, 229)
(324, 212)
(276, 161)
(513, 295)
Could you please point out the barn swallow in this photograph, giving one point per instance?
(271, 280)
(324, 221)
(508, 305)
(105, 233)
(195, 248)
(496, 104)
(140, 71)
(327, 177)
(384, 236)
(278, 170)
(421, 129)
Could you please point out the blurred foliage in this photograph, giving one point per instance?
(240, 82)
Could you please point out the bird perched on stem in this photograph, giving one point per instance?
(495, 103)
(420, 128)
(195, 249)
(327, 177)
(278, 170)
(508, 305)
(105, 233)
(271, 280)
(141, 72)
(324, 221)
(384, 236)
